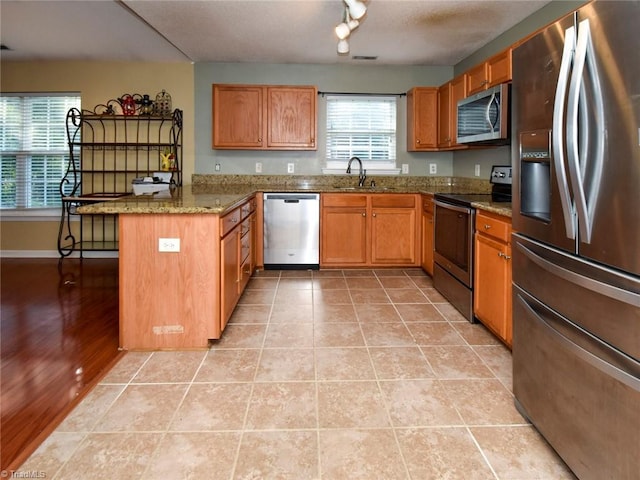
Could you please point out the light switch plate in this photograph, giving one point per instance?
(405, 168)
(477, 170)
(258, 167)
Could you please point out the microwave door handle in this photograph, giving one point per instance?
(557, 137)
(580, 130)
(487, 112)
(493, 124)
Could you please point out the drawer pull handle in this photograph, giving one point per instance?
(504, 255)
(487, 226)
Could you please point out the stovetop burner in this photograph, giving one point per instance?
(500, 190)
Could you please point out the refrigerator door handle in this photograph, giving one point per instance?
(579, 130)
(596, 286)
(623, 370)
(557, 137)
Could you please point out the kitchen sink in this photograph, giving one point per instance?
(364, 189)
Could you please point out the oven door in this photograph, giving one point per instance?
(453, 243)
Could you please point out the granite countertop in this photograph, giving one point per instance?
(499, 208)
(217, 194)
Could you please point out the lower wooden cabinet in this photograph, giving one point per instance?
(237, 256)
(182, 299)
(369, 230)
(427, 234)
(492, 303)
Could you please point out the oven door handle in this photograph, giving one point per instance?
(457, 208)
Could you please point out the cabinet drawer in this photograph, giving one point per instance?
(245, 247)
(245, 227)
(247, 208)
(344, 200)
(427, 204)
(229, 221)
(494, 226)
(393, 200)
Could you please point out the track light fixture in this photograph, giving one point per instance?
(353, 12)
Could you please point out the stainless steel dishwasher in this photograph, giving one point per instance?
(292, 231)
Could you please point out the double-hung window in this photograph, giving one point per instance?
(34, 153)
(362, 126)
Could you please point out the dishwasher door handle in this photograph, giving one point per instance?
(292, 200)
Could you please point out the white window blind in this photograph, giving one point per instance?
(362, 126)
(33, 149)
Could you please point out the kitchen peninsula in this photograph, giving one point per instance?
(185, 255)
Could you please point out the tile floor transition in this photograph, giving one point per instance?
(346, 374)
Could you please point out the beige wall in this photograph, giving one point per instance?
(97, 83)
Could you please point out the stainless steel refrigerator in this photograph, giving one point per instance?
(576, 246)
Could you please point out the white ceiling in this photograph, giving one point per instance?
(398, 32)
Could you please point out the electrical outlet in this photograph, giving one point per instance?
(217, 167)
(477, 171)
(433, 168)
(291, 167)
(258, 167)
(405, 168)
(168, 244)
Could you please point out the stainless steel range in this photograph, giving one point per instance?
(453, 244)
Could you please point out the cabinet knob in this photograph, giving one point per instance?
(417, 140)
(259, 139)
(364, 214)
(374, 214)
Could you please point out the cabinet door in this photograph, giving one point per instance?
(238, 117)
(393, 236)
(422, 119)
(499, 68)
(230, 263)
(492, 286)
(477, 79)
(458, 92)
(444, 116)
(291, 118)
(343, 229)
(427, 234)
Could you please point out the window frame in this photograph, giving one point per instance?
(25, 155)
(381, 167)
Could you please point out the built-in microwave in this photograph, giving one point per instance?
(484, 117)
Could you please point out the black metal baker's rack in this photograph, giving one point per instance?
(107, 150)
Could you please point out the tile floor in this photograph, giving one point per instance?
(346, 374)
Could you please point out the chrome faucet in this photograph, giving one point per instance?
(362, 175)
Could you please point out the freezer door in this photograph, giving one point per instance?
(606, 105)
(540, 209)
(600, 300)
(581, 394)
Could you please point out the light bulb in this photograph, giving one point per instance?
(357, 9)
(343, 47)
(343, 31)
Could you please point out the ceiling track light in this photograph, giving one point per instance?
(353, 11)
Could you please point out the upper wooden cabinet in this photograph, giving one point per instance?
(422, 119)
(260, 117)
(448, 96)
(494, 71)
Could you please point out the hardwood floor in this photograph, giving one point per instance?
(59, 336)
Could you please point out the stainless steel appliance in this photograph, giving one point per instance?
(484, 116)
(453, 241)
(291, 230)
(576, 246)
